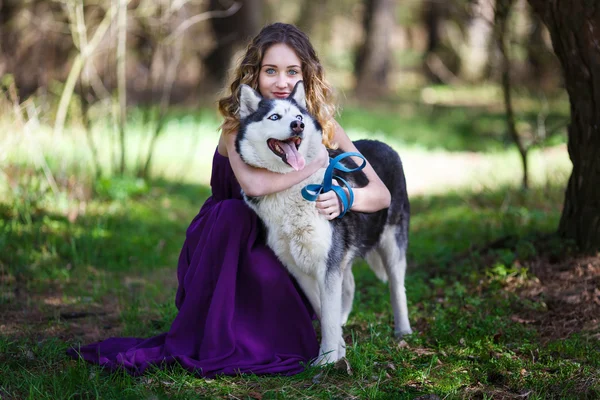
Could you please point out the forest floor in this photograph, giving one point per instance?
(501, 307)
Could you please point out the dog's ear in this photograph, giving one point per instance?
(298, 94)
(249, 99)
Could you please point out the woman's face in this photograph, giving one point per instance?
(279, 71)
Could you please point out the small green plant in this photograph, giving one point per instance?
(120, 188)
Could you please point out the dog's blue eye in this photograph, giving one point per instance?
(299, 117)
(275, 117)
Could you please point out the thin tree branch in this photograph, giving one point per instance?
(171, 74)
(502, 13)
(121, 78)
(202, 17)
(39, 157)
(76, 69)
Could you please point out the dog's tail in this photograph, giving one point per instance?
(375, 261)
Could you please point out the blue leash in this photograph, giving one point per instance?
(311, 192)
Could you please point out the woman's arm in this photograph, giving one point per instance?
(259, 182)
(373, 197)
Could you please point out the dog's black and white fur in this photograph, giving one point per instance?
(280, 135)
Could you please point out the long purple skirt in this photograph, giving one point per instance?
(239, 309)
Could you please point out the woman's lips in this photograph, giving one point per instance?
(281, 95)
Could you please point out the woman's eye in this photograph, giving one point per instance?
(270, 71)
(299, 117)
(274, 117)
(293, 72)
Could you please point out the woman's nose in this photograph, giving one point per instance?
(281, 81)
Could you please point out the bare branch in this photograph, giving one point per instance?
(169, 79)
(202, 17)
(39, 157)
(121, 77)
(502, 14)
(439, 69)
(76, 68)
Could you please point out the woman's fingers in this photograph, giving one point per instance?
(329, 205)
(327, 201)
(330, 213)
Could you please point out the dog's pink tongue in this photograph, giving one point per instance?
(292, 156)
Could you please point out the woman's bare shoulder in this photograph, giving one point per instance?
(222, 146)
(341, 137)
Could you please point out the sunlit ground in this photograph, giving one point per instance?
(185, 150)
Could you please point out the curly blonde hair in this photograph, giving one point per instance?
(319, 93)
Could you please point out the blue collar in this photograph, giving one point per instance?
(311, 192)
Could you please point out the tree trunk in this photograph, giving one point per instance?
(310, 13)
(475, 52)
(431, 20)
(574, 26)
(231, 32)
(374, 57)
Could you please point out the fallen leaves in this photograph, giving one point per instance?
(566, 296)
(343, 365)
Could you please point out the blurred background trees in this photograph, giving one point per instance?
(377, 40)
(97, 60)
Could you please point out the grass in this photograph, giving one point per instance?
(463, 119)
(109, 249)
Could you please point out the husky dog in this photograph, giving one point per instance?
(281, 136)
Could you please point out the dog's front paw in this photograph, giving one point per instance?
(402, 332)
(341, 348)
(325, 357)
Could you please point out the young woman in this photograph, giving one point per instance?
(239, 310)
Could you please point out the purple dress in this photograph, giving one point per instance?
(239, 309)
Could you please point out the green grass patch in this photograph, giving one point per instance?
(466, 342)
(441, 126)
(109, 247)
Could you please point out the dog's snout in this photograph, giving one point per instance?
(297, 126)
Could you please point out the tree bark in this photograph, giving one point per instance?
(431, 20)
(574, 26)
(374, 57)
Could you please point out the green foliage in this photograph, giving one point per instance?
(121, 188)
(464, 119)
(40, 242)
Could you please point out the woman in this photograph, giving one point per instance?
(239, 310)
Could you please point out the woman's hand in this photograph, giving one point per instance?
(329, 204)
(373, 197)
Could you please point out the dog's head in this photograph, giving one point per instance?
(276, 134)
